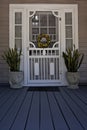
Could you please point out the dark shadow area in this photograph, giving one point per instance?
(5, 85)
(43, 89)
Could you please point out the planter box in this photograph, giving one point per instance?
(73, 79)
(16, 79)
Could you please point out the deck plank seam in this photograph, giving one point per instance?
(72, 111)
(10, 106)
(3, 89)
(39, 110)
(80, 99)
(18, 110)
(50, 111)
(3, 94)
(64, 95)
(6, 99)
(75, 102)
(29, 110)
(61, 110)
(82, 91)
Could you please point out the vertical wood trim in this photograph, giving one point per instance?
(76, 26)
(25, 45)
(11, 27)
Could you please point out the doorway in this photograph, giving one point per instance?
(43, 32)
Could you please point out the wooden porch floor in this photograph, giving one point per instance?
(29, 110)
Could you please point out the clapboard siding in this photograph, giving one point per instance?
(82, 15)
(41, 1)
(83, 37)
(4, 30)
(4, 39)
(82, 22)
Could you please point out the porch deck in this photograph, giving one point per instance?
(32, 110)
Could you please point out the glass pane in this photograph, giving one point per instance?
(69, 43)
(33, 37)
(68, 18)
(52, 20)
(43, 20)
(18, 31)
(35, 20)
(68, 31)
(52, 31)
(18, 18)
(54, 37)
(35, 30)
(51, 37)
(43, 30)
(35, 23)
(18, 43)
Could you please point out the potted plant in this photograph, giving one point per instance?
(73, 59)
(13, 57)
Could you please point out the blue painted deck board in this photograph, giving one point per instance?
(20, 120)
(10, 116)
(7, 106)
(82, 95)
(82, 118)
(6, 96)
(70, 119)
(75, 98)
(59, 122)
(46, 120)
(33, 116)
(24, 110)
(3, 92)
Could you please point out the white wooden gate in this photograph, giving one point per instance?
(44, 63)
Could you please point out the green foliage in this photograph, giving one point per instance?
(73, 59)
(12, 57)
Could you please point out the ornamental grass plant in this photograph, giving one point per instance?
(12, 57)
(73, 59)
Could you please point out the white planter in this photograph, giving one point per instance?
(73, 79)
(16, 79)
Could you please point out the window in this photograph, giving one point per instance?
(44, 22)
(68, 30)
(18, 30)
